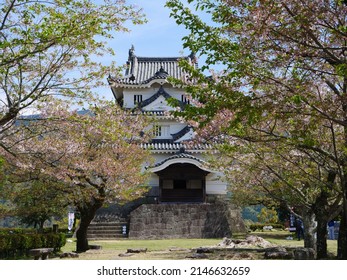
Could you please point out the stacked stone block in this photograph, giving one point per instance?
(160, 221)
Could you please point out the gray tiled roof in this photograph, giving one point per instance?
(174, 147)
(181, 156)
(161, 113)
(142, 70)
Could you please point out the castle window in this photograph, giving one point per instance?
(184, 99)
(137, 98)
(157, 131)
(161, 132)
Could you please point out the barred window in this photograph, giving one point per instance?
(157, 130)
(137, 98)
(184, 99)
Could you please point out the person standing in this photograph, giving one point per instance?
(331, 230)
(299, 227)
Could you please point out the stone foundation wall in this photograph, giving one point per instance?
(159, 221)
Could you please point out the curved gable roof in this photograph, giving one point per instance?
(179, 158)
(143, 70)
(160, 92)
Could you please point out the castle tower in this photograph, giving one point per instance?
(180, 173)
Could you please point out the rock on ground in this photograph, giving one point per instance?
(277, 253)
(250, 241)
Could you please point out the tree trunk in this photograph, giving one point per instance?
(42, 222)
(308, 219)
(321, 210)
(322, 252)
(87, 215)
(81, 235)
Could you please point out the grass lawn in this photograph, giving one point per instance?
(279, 238)
(152, 245)
(175, 248)
(156, 249)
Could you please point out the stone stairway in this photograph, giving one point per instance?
(107, 230)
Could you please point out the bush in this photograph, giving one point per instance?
(13, 245)
(267, 215)
(4, 231)
(54, 240)
(260, 226)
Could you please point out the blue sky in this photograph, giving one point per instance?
(161, 36)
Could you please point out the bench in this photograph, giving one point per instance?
(40, 253)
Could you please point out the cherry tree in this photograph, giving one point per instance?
(283, 79)
(94, 153)
(273, 173)
(54, 48)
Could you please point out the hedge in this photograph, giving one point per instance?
(13, 245)
(5, 231)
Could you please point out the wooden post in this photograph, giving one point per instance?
(55, 228)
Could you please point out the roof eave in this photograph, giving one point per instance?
(142, 84)
(191, 160)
